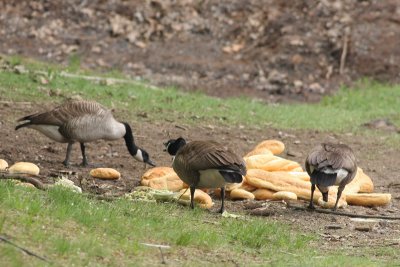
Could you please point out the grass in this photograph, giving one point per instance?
(345, 111)
(70, 229)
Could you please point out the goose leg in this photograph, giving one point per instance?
(68, 156)
(84, 158)
(223, 200)
(192, 189)
(311, 205)
(339, 194)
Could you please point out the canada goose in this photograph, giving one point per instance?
(330, 164)
(83, 121)
(205, 164)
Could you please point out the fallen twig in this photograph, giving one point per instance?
(24, 177)
(344, 51)
(340, 213)
(30, 253)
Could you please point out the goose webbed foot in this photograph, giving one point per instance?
(66, 163)
(221, 210)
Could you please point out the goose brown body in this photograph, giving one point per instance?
(81, 121)
(207, 164)
(196, 159)
(330, 164)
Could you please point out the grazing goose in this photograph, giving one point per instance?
(330, 164)
(82, 121)
(205, 164)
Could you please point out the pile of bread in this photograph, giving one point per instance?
(270, 177)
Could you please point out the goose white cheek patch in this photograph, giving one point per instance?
(139, 155)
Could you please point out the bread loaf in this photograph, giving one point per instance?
(24, 167)
(231, 186)
(259, 151)
(155, 172)
(275, 146)
(365, 182)
(331, 203)
(263, 194)
(270, 163)
(3, 165)
(200, 197)
(369, 200)
(284, 195)
(241, 194)
(105, 173)
(247, 187)
(169, 182)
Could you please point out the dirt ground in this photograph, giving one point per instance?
(276, 50)
(377, 161)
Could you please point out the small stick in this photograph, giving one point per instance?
(30, 253)
(24, 177)
(348, 214)
(344, 51)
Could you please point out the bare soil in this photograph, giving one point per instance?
(377, 160)
(275, 50)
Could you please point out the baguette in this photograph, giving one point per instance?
(369, 200)
(275, 146)
(263, 194)
(259, 151)
(284, 195)
(241, 194)
(270, 163)
(283, 181)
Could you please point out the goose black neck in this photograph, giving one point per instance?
(129, 141)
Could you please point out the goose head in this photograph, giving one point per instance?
(143, 156)
(173, 145)
(138, 153)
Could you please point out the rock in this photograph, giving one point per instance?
(105, 173)
(24, 167)
(3, 165)
(364, 225)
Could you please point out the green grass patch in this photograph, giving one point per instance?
(345, 111)
(71, 229)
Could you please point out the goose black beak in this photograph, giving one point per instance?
(150, 163)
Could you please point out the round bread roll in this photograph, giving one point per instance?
(24, 167)
(200, 197)
(105, 173)
(3, 165)
(241, 194)
(263, 194)
(155, 172)
(368, 200)
(331, 203)
(275, 146)
(284, 195)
